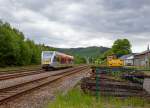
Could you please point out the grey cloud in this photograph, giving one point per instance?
(53, 21)
(127, 4)
(35, 5)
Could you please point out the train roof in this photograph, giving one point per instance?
(64, 55)
(61, 54)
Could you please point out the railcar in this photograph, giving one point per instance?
(113, 61)
(54, 60)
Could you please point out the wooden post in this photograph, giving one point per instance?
(97, 84)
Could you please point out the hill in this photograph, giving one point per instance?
(93, 51)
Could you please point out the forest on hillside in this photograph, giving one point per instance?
(84, 55)
(15, 49)
(92, 51)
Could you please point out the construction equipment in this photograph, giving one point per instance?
(113, 61)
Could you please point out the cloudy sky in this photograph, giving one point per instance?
(80, 23)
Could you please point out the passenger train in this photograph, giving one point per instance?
(54, 59)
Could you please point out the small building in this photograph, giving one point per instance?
(128, 59)
(142, 59)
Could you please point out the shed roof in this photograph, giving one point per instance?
(142, 53)
(128, 56)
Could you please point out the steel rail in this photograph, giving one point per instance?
(9, 93)
(22, 74)
(13, 71)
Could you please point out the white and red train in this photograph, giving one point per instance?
(54, 59)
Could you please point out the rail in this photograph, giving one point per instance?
(11, 92)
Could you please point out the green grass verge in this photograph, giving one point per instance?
(76, 99)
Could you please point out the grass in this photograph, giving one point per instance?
(77, 99)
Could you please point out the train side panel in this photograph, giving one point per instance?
(115, 63)
(62, 60)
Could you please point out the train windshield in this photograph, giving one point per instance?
(47, 55)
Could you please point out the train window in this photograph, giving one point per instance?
(59, 59)
(47, 55)
(55, 59)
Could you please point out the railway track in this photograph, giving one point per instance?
(12, 92)
(22, 73)
(13, 71)
(19, 74)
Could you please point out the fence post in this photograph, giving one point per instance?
(97, 84)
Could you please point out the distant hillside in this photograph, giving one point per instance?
(84, 52)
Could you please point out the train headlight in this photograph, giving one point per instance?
(46, 62)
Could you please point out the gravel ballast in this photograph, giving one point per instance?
(39, 98)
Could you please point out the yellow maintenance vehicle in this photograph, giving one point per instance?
(113, 61)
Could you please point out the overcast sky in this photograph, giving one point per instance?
(80, 23)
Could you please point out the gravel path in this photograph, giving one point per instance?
(40, 98)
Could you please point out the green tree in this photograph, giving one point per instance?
(25, 53)
(9, 45)
(121, 47)
(105, 54)
(16, 50)
(79, 60)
